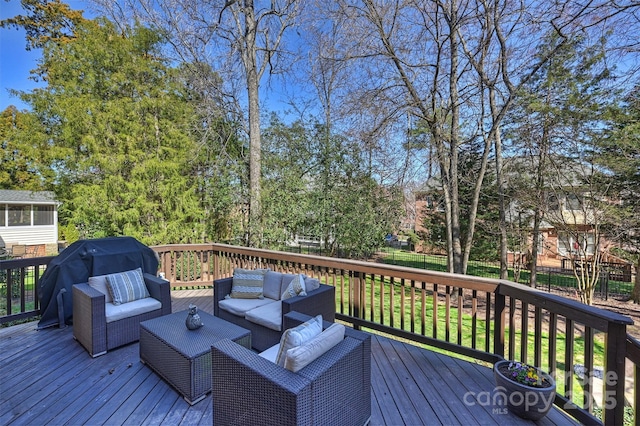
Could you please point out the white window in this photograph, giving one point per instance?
(576, 243)
(42, 215)
(20, 215)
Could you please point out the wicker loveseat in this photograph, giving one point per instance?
(320, 301)
(334, 389)
(99, 334)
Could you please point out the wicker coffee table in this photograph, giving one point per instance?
(182, 356)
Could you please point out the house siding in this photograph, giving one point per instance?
(29, 235)
(35, 236)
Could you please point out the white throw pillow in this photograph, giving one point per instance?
(295, 288)
(299, 357)
(296, 336)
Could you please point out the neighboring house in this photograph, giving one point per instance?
(29, 222)
(567, 225)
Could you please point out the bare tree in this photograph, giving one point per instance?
(234, 37)
(457, 66)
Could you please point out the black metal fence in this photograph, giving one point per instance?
(614, 281)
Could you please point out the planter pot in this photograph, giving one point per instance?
(528, 402)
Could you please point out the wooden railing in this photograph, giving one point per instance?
(19, 287)
(485, 319)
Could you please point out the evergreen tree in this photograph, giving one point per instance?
(619, 154)
(117, 121)
(19, 155)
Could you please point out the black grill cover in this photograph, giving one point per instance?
(84, 259)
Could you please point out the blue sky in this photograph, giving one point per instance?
(15, 60)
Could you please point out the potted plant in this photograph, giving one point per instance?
(528, 391)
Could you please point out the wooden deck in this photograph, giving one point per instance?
(49, 379)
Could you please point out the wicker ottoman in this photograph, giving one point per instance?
(183, 357)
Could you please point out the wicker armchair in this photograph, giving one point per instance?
(334, 389)
(98, 336)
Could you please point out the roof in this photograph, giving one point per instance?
(13, 196)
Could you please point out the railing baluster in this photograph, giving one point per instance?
(402, 304)
(553, 342)
(588, 374)
(474, 318)
(524, 332)
(487, 321)
(568, 358)
(392, 286)
(447, 314)
(423, 308)
(537, 350)
(460, 309)
(412, 293)
(382, 287)
(499, 323)
(434, 309)
(512, 328)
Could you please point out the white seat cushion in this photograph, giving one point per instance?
(240, 307)
(271, 353)
(126, 310)
(269, 316)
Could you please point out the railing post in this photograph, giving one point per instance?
(356, 290)
(614, 380)
(499, 322)
(216, 264)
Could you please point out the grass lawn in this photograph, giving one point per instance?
(491, 270)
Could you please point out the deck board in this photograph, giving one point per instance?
(48, 378)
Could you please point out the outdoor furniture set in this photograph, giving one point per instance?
(271, 354)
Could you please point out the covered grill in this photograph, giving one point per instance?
(84, 259)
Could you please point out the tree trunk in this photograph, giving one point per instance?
(635, 294)
(456, 237)
(502, 218)
(255, 145)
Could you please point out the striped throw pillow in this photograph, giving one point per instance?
(247, 283)
(127, 286)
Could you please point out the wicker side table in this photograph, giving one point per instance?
(183, 357)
